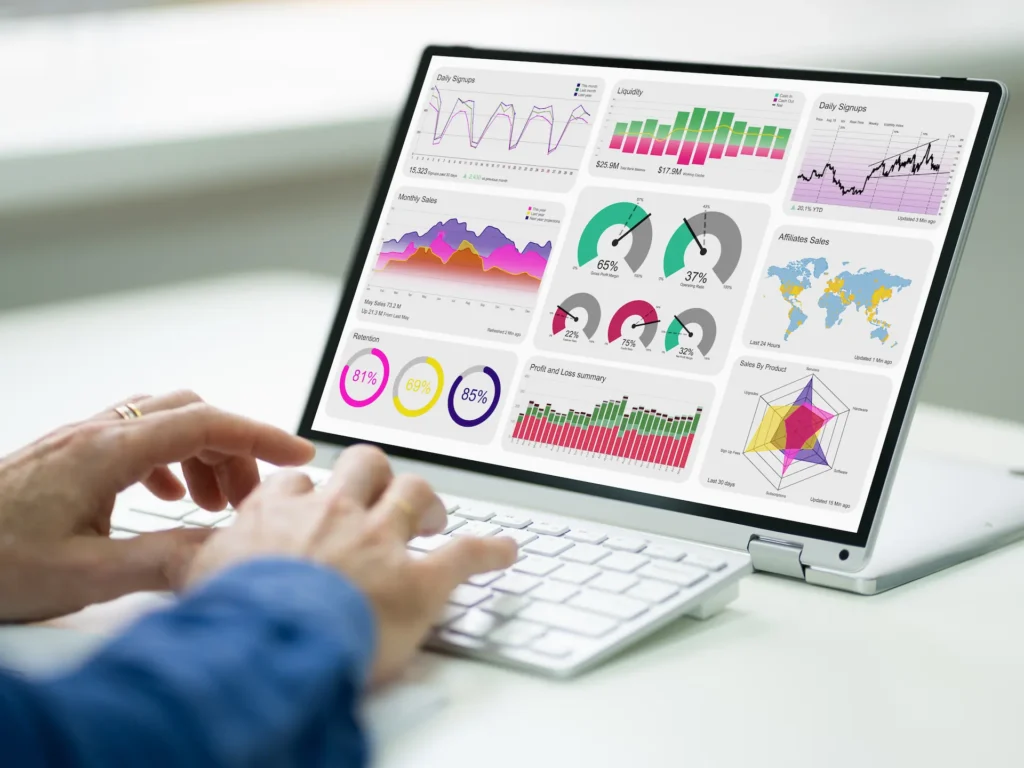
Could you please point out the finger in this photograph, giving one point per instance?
(167, 402)
(203, 486)
(163, 484)
(289, 483)
(453, 563)
(410, 507)
(151, 561)
(175, 436)
(361, 474)
(237, 476)
(111, 411)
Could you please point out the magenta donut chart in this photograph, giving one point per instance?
(371, 376)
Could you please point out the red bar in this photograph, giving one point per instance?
(762, 152)
(747, 150)
(592, 438)
(617, 141)
(577, 438)
(545, 430)
(630, 144)
(519, 426)
(732, 150)
(686, 452)
(659, 147)
(717, 150)
(701, 154)
(677, 449)
(673, 146)
(663, 445)
(684, 156)
(566, 434)
(778, 153)
(529, 429)
(644, 146)
(609, 438)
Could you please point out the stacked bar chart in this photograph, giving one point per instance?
(613, 430)
(700, 135)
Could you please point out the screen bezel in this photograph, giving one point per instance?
(917, 356)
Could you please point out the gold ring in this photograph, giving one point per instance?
(128, 411)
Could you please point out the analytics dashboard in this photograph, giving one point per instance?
(699, 286)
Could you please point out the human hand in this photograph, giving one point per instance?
(359, 523)
(57, 495)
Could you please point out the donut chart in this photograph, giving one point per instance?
(680, 329)
(424, 386)
(637, 308)
(362, 385)
(694, 232)
(472, 396)
(568, 315)
(620, 231)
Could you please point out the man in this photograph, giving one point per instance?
(286, 618)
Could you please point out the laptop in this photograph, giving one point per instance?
(663, 324)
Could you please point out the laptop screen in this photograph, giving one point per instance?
(701, 290)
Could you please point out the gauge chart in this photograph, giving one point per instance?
(609, 420)
(656, 279)
(460, 263)
(441, 389)
(881, 158)
(508, 129)
(731, 138)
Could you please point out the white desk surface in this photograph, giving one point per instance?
(927, 675)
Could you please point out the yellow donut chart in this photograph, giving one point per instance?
(396, 390)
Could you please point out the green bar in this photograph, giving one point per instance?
(723, 127)
(782, 140)
(767, 136)
(634, 128)
(645, 425)
(547, 411)
(751, 139)
(649, 128)
(687, 427)
(601, 413)
(696, 420)
(710, 124)
(663, 130)
(737, 133)
(621, 128)
(679, 126)
(695, 121)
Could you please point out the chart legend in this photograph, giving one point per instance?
(734, 138)
(576, 415)
(504, 129)
(880, 157)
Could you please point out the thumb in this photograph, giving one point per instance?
(149, 562)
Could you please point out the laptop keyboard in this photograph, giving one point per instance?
(579, 592)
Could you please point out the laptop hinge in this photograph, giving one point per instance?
(774, 556)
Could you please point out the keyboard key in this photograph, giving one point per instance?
(535, 565)
(616, 606)
(505, 605)
(555, 644)
(467, 595)
(519, 537)
(476, 528)
(547, 545)
(625, 543)
(454, 521)
(570, 619)
(483, 579)
(227, 522)
(623, 562)
(586, 536)
(665, 552)
(707, 562)
(675, 573)
(463, 641)
(173, 510)
(137, 522)
(609, 581)
(428, 543)
(573, 573)
(448, 614)
(553, 592)
(515, 583)
(652, 591)
(516, 633)
(206, 518)
(476, 623)
(480, 515)
(585, 553)
(549, 529)
(115, 534)
(506, 520)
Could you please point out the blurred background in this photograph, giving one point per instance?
(146, 143)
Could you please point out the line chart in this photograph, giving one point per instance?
(899, 157)
(504, 128)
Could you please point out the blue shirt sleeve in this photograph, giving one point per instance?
(262, 666)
